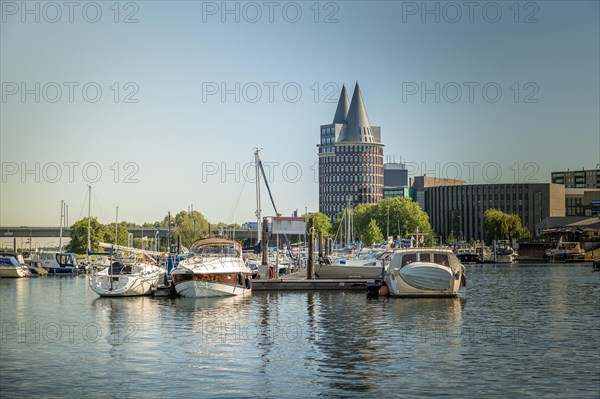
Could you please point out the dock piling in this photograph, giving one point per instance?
(310, 267)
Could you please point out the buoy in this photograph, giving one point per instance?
(248, 282)
(384, 291)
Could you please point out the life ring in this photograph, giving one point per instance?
(248, 282)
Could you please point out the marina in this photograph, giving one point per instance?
(517, 331)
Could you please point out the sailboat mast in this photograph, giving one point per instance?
(117, 226)
(89, 241)
(258, 210)
(62, 217)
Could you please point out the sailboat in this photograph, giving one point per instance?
(125, 279)
(128, 279)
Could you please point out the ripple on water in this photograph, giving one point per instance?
(515, 331)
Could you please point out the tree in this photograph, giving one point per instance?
(189, 225)
(321, 223)
(122, 234)
(451, 238)
(399, 215)
(502, 226)
(372, 234)
(79, 231)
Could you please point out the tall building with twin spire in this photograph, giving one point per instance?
(350, 158)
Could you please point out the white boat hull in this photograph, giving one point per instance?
(208, 289)
(423, 279)
(106, 285)
(13, 272)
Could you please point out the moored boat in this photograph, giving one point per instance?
(58, 262)
(425, 272)
(11, 266)
(566, 252)
(465, 252)
(504, 252)
(371, 267)
(214, 267)
(120, 279)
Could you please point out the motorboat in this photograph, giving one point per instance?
(465, 252)
(121, 279)
(424, 272)
(214, 267)
(58, 262)
(12, 266)
(370, 267)
(504, 252)
(35, 268)
(566, 252)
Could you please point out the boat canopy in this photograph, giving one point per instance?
(7, 260)
(216, 246)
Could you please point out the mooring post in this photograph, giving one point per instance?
(320, 245)
(310, 267)
(265, 249)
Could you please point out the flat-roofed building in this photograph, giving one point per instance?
(577, 178)
(460, 208)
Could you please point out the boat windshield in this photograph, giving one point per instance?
(437, 258)
(215, 250)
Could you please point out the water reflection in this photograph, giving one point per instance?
(514, 331)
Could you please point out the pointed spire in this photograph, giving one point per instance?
(341, 113)
(358, 127)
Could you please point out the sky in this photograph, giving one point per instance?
(159, 105)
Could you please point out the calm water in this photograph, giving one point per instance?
(515, 331)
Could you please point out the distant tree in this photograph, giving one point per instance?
(372, 234)
(79, 230)
(502, 226)
(450, 238)
(122, 233)
(189, 225)
(321, 223)
(401, 215)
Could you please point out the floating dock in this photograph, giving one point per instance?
(299, 284)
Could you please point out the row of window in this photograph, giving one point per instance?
(328, 130)
(358, 149)
(365, 168)
(330, 179)
(356, 188)
(356, 159)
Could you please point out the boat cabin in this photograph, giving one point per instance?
(442, 257)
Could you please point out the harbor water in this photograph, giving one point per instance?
(514, 331)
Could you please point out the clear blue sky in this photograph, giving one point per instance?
(181, 135)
